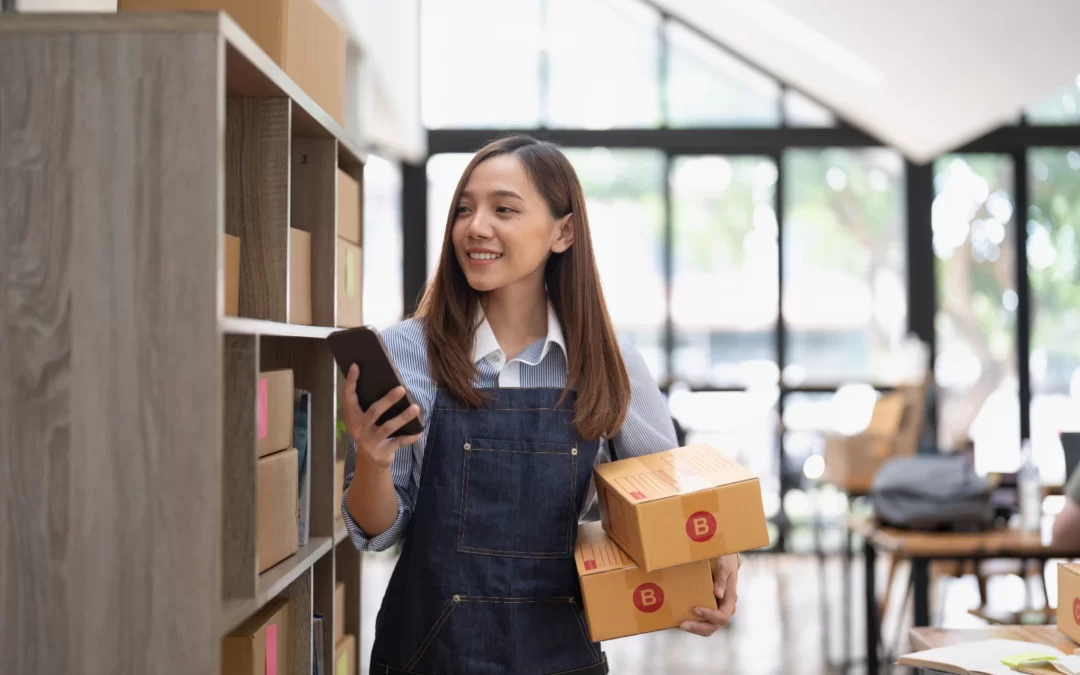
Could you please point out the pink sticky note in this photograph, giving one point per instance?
(271, 649)
(262, 409)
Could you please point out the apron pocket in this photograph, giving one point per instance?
(518, 499)
(486, 635)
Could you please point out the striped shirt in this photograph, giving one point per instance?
(648, 427)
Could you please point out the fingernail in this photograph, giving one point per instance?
(685, 626)
(699, 612)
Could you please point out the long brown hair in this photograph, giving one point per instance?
(595, 367)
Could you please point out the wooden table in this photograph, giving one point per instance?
(932, 638)
(921, 548)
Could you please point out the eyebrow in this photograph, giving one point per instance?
(498, 193)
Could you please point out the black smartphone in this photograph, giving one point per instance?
(378, 374)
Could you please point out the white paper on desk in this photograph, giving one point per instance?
(982, 658)
(1070, 665)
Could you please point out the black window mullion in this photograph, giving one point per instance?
(1023, 305)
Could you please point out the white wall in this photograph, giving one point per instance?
(65, 5)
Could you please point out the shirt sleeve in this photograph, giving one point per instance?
(648, 427)
(407, 347)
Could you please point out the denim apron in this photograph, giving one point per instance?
(486, 583)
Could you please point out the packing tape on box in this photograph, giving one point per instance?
(701, 521)
(649, 601)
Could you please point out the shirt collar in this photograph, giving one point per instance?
(486, 344)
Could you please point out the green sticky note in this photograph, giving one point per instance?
(342, 665)
(1027, 658)
(350, 274)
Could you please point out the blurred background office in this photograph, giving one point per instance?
(796, 207)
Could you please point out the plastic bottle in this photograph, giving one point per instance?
(1030, 490)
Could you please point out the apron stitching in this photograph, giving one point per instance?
(464, 498)
(525, 554)
(519, 452)
(603, 660)
(584, 631)
(431, 634)
(573, 501)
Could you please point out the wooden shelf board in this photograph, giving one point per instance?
(249, 70)
(341, 533)
(273, 581)
(234, 325)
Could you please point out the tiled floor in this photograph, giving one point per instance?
(779, 629)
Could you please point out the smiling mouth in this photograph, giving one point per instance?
(485, 256)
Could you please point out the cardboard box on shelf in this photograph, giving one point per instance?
(339, 611)
(339, 487)
(232, 275)
(896, 422)
(274, 411)
(299, 276)
(298, 35)
(622, 599)
(262, 644)
(345, 656)
(349, 289)
(680, 505)
(1068, 603)
(275, 508)
(348, 209)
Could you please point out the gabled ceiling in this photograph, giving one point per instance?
(922, 75)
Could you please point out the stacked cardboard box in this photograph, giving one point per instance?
(664, 517)
(262, 644)
(349, 259)
(298, 35)
(276, 470)
(1068, 604)
(852, 461)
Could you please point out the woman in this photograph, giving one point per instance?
(523, 386)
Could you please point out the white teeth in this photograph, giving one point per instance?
(485, 256)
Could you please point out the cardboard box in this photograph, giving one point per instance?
(299, 276)
(262, 644)
(339, 611)
(275, 508)
(232, 275)
(1068, 603)
(622, 599)
(345, 656)
(339, 487)
(298, 35)
(349, 289)
(349, 209)
(274, 411)
(681, 505)
(851, 462)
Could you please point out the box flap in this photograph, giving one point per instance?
(673, 472)
(1070, 568)
(596, 552)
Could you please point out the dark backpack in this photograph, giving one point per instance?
(931, 492)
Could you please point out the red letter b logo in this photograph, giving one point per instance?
(701, 526)
(648, 598)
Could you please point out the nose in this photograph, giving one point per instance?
(480, 226)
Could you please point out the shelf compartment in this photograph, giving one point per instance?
(312, 209)
(240, 326)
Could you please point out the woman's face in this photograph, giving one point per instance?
(503, 230)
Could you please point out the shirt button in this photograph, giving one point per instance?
(495, 358)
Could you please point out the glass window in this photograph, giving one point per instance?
(742, 425)
(707, 87)
(800, 111)
(480, 63)
(600, 86)
(443, 174)
(624, 196)
(975, 369)
(845, 265)
(1053, 251)
(724, 291)
(1060, 107)
(383, 293)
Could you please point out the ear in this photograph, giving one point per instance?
(564, 228)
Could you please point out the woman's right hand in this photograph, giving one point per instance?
(374, 446)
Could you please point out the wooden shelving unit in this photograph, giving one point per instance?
(130, 144)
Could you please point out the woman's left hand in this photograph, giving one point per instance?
(725, 585)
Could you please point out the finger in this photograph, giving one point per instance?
(353, 375)
(698, 628)
(731, 598)
(392, 425)
(717, 617)
(401, 441)
(721, 574)
(383, 404)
